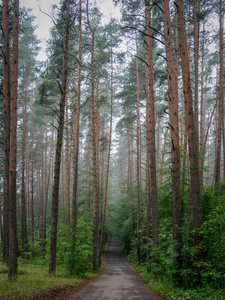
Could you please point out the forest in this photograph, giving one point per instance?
(119, 132)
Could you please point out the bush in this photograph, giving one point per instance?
(80, 258)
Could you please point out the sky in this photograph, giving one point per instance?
(44, 22)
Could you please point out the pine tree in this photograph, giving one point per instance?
(55, 192)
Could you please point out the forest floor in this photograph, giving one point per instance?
(59, 292)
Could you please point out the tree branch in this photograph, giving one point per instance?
(131, 27)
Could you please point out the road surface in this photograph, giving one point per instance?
(119, 281)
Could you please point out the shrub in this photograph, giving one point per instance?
(80, 258)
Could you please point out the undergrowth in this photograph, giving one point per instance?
(172, 292)
(31, 278)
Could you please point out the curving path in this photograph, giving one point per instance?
(119, 281)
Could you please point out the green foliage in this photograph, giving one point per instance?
(80, 258)
(200, 278)
(213, 269)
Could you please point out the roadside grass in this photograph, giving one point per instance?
(172, 292)
(33, 278)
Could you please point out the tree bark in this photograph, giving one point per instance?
(45, 195)
(203, 104)
(24, 238)
(138, 161)
(6, 105)
(94, 151)
(174, 132)
(87, 205)
(32, 178)
(13, 247)
(63, 182)
(221, 105)
(147, 76)
(131, 171)
(67, 167)
(77, 129)
(151, 111)
(196, 60)
(55, 192)
(221, 84)
(191, 130)
(108, 160)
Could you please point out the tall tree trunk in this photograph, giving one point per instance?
(6, 105)
(74, 205)
(50, 164)
(27, 171)
(98, 128)
(63, 182)
(45, 195)
(130, 170)
(203, 105)
(94, 150)
(55, 192)
(216, 136)
(191, 130)
(32, 177)
(221, 104)
(101, 195)
(138, 161)
(24, 238)
(38, 189)
(87, 174)
(147, 78)
(158, 146)
(108, 160)
(151, 110)
(77, 129)
(196, 59)
(13, 247)
(67, 166)
(221, 84)
(174, 132)
(41, 198)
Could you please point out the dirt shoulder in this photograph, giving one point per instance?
(63, 292)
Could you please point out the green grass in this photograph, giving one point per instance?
(31, 278)
(172, 292)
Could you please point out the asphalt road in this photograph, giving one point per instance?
(119, 281)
